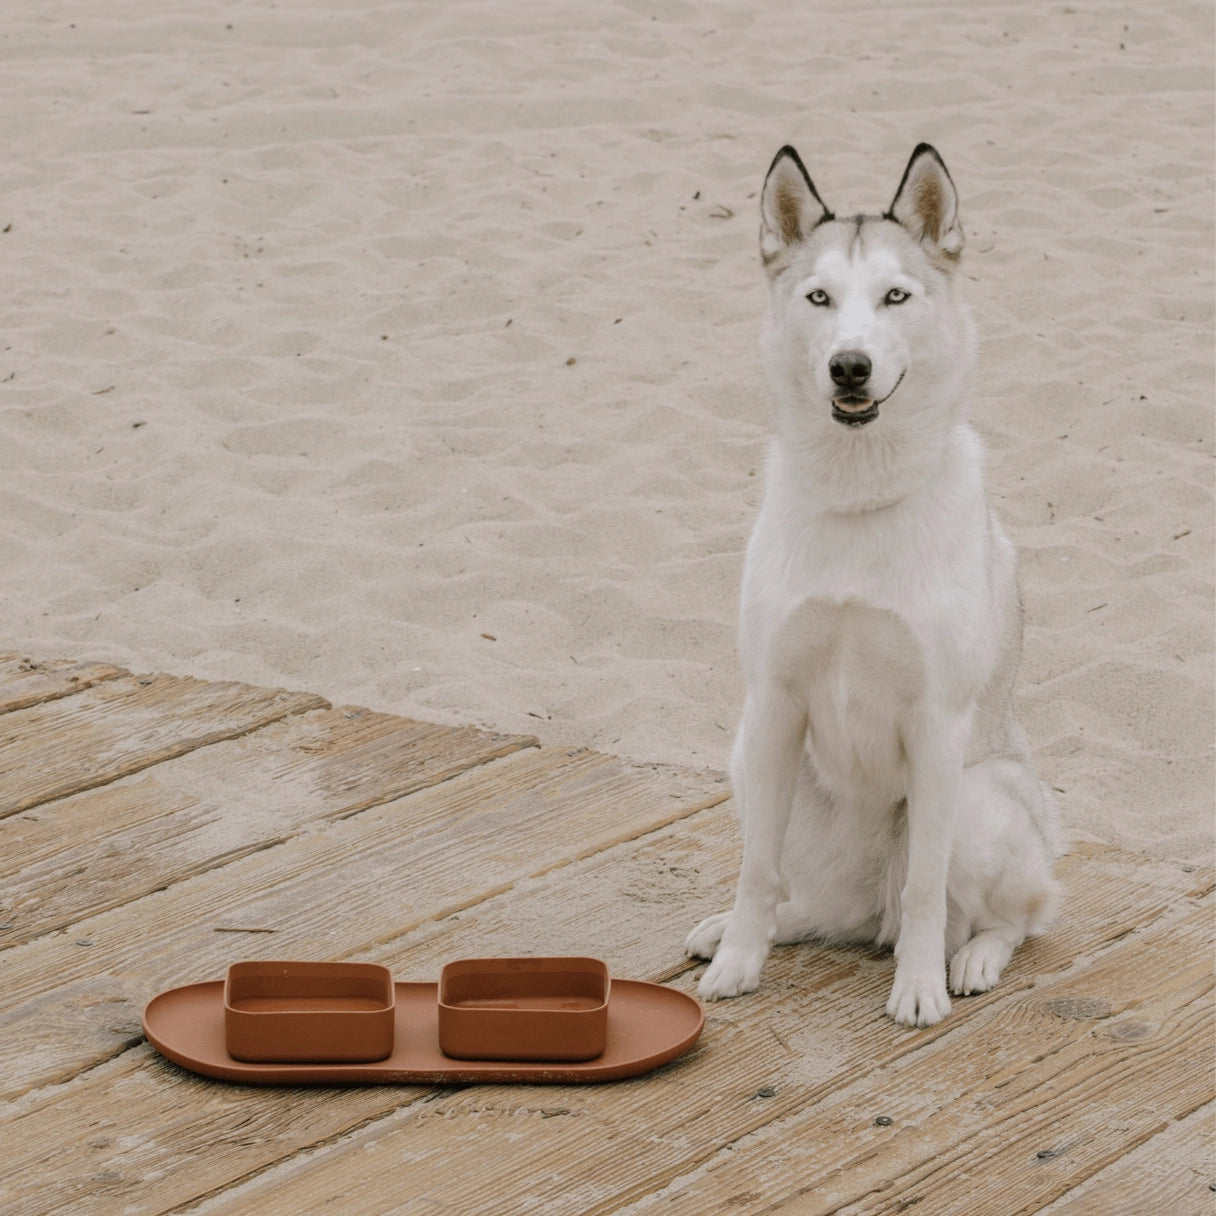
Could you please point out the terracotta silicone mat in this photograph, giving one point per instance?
(648, 1025)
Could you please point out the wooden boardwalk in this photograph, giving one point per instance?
(155, 829)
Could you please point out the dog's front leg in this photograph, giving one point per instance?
(935, 763)
(767, 756)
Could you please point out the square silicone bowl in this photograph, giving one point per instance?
(309, 1012)
(523, 1009)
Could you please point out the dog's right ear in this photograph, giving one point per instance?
(790, 208)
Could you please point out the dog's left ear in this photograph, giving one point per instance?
(926, 204)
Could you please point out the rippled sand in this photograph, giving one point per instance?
(407, 353)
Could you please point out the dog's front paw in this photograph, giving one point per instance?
(732, 973)
(918, 999)
(703, 941)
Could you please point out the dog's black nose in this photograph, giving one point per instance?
(850, 368)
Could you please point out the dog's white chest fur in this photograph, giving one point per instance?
(848, 610)
(858, 670)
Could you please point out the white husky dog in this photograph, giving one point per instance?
(885, 790)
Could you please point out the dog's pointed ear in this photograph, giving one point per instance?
(926, 204)
(790, 208)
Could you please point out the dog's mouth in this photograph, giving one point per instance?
(852, 410)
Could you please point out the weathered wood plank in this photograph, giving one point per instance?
(132, 1156)
(25, 682)
(123, 725)
(553, 849)
(137, 1125)
(1173, 1171)
(803, 1035)
(105, 847)
(324, 893)
(1005, 1115)
(799, 1041)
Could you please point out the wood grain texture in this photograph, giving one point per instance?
(329, 892)
(165, 823)
(236, 823)
(25, 682)
(123, 725)
(742, 1123)
(1173, 1171)
(1003, 1117)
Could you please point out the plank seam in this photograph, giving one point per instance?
(300, 1157)
(76, 685)
(513, 745)
(132, 897)
(503, 889)
(524, 743)
(316, 705)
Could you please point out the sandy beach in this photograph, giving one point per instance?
(407, 353)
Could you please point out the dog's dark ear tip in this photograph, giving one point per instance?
(921, 150)
(787, 152)
(929, 150)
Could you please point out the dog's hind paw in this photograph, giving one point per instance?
(704, 939)
(918, 1000)
(732, 973)
(977, 966)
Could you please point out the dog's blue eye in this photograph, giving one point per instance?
(819, 298)
(897, 295)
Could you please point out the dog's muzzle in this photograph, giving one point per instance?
(852, 405)
(850, 371)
